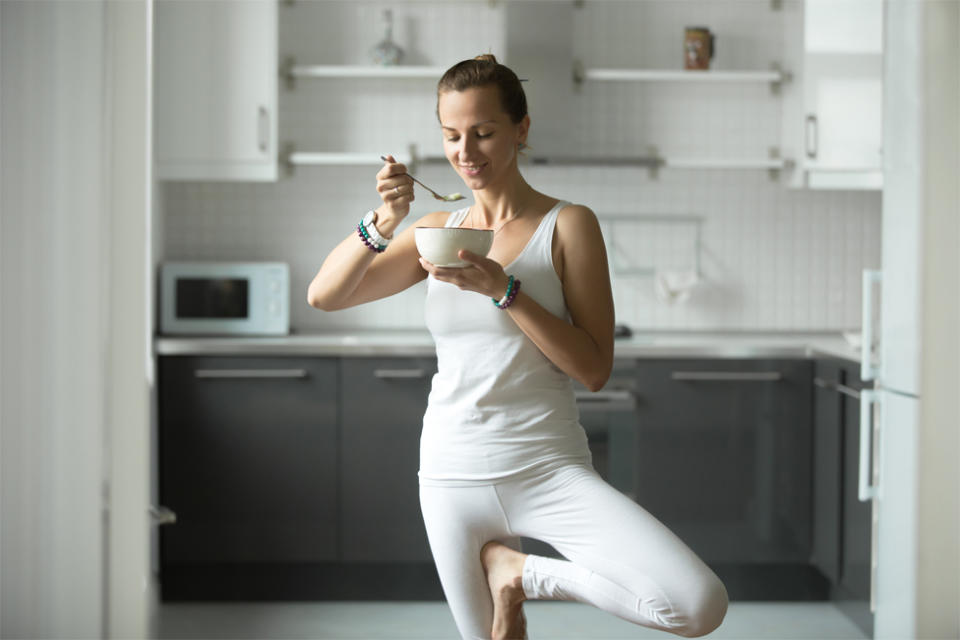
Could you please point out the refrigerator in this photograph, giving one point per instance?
(889, 474)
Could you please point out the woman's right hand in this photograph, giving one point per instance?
(395, 188)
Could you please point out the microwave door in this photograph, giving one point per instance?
(212, 298)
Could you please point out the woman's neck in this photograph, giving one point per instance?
(493, 207)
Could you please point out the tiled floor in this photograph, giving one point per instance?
(431, 620)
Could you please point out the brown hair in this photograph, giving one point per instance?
(482, 71)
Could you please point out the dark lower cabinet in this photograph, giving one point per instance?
(296, 477)
(248, 462)
(724, 460)
(828, 443)
(853, 589)
(383, 401)
(843, 524)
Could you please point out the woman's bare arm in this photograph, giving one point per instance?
(582, 348)
(353, 274)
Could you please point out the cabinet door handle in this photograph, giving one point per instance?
(250, 373)
(825, 384)
(399, 374)
(811, 137)
(727, 376)
(850, 392)
(263, 129)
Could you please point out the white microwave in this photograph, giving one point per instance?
(249, 298)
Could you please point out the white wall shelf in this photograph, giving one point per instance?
(774, 77)
(290, 71)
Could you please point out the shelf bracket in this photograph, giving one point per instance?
(286, 72)
(653, 171)
(579, 75)
(286, 151)
(782, 77)
(774, 172)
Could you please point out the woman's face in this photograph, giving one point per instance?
(479, 139)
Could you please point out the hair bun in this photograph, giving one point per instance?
(486, 57)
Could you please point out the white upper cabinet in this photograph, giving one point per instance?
(216, 90)
(833, 112)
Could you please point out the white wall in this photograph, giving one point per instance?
(775, 258)
(74, 335)
(54, 317)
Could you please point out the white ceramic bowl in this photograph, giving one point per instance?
(440, 245)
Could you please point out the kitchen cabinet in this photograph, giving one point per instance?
(842, 523)
(299, 474)
(828, 439)
(382, 405)
(832, 120)
(852, 592)
(248, 460)
(724, 460)
(216, 90)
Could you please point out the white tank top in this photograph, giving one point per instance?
(497, 406)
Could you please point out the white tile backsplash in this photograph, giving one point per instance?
(773, 257)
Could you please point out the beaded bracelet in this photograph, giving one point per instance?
(373, 246)
(373, 234)
(513, 286)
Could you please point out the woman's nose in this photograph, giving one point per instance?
(467, 147)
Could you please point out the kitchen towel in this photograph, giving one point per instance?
(675, 286)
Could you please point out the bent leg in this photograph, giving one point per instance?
(620, 558)
(459, 521)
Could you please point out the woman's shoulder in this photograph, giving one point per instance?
(573, 219)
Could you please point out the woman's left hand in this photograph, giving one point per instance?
(482, 275)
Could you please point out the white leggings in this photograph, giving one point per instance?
(620, 558)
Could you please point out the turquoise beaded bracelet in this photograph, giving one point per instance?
(367, 240)
(513, 286)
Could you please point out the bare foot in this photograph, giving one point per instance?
(504, 569)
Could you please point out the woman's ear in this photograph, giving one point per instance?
(523, 128)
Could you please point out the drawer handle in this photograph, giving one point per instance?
(399, 374)
(850, 392)
(614, 400)
(603, 396)
(251, 373)
(162, 515)
(727, 376)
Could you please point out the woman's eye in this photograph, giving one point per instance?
(452, 139)
(484, 135)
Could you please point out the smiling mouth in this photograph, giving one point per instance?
(472, 168)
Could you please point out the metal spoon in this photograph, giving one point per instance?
(453, 197)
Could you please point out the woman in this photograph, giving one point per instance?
(502, 453)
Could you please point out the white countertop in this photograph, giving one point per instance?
(406, 342)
